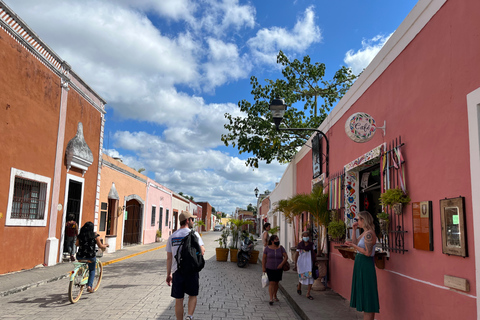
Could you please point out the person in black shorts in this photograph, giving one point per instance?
(182, 284)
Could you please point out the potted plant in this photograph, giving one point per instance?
(222, 251)
(336, 229)
(255, 253)
(236, 228)
(395, 199)
(159, 236)
(384, 221)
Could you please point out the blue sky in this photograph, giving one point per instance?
(170, 69)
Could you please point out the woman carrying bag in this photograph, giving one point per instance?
(305, 260)
(274, 258)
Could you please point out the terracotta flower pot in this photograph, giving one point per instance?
(222, 254)
(233, 255)
(254, 256)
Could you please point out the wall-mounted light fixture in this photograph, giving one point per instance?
(278, 108)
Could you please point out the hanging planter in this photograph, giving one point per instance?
(395, 199)
(397, 208)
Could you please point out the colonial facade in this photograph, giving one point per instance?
(51, 132)
(423, 88)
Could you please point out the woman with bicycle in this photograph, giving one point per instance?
(86, 250)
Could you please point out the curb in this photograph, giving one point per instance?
(39, 283)
(293, 304)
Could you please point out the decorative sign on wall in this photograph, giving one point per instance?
(360, 127)
(422, 225)
(452, 215)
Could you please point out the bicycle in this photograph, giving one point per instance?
(79, 279)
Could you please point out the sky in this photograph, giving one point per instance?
(170, 69)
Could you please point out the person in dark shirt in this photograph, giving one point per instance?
(86, 250)
(71, 233)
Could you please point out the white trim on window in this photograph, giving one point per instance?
(27, 222)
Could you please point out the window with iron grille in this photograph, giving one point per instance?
(166, 218)
(154, 209)
(27, 199)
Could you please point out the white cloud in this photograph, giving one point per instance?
(222, 15)
(267, 42)
(359, 60)
(173, 9)
(224, 64)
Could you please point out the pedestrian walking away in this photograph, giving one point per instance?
(266, 228)
(274, 258)
(305, 259)
(71, 233)
(182, 283)
(364, 295)
(86, 250)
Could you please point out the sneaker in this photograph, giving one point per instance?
(189, 318)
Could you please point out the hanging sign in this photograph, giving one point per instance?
(360, 127)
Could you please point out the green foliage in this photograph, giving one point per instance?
(236, 228)
(252, 208)
(198, 223)
(336, 229)
(222, 241)
(394, 196)
(316, 203)
(383, 216)
(274, 230)
(253, 131)
(159, 233)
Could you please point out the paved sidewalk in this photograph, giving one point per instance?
(14, 282)
(327, 305)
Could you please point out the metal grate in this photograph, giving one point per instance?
(394, 240)
(29, 199)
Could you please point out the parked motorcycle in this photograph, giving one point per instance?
(245, 252)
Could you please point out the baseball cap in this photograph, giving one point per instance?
(185, 215)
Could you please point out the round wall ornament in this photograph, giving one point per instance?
(360, 127)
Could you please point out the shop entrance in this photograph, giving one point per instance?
(133, 223)
(370, 190)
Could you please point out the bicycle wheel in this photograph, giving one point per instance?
(98, 275)
(75, 289)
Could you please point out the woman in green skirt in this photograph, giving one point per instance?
(364, 296)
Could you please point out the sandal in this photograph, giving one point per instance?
(310, 297)
(276, 299)
(271, 303)
(299, 292)
(89, 289)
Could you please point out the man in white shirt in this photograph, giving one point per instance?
(182, 284)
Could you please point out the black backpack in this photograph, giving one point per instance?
(189, 256)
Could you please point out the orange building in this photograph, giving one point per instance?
(122, 204)
(51, 136)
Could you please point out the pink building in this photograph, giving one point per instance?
(425, 86)
(158, 212)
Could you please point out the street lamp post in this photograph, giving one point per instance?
(278, 108)
(256, 192)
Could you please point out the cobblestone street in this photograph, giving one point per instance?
(135, 289)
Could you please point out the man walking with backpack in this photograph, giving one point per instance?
(185, 251)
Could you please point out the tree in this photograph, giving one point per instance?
(253, 131)
(252, 208)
